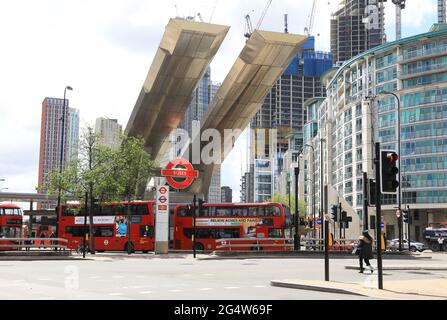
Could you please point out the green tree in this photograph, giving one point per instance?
(284, 199)
(133, 167)
(92, 173)
(302, 207)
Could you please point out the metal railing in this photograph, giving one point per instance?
(255, 243)
(17, 244)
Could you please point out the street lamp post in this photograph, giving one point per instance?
(61, 159)
(399, 193)
(313, 189)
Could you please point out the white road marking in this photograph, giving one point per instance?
(145, 292)
(115, 294)
(205, 289)
(231, 288)
(175, 290)
(136, 287)
(259, 286)
(209, 274)
(47, 298)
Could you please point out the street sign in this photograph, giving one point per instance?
(319, 221)
(180, 173)
(162, 214)
(382, 225)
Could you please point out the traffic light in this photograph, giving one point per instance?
(334, 211)
(405, 216)
(389, 171)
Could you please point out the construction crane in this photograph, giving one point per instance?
(310, 26)
(249, 26)
(400, 5)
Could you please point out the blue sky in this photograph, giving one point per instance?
(104, 48)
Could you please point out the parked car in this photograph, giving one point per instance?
(414, 246)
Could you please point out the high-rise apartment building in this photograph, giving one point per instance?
(227, 195)
(109, 131)
(350, 123)
(442, 11)
(283, 114)
(202, 96)
(51, 132)
(358, 25)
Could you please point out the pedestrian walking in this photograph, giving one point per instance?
(364, 250)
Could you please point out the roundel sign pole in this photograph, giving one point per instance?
(180, 174)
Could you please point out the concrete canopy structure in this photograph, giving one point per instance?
(262, 61)
(185, 51)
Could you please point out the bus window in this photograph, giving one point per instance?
(275, 233)
(75, 231)
(257, 211)
(223, 212)
(272, 211)
(103, 231)
(203, 211)
(142, 209)
(11, 211)
(240, 211)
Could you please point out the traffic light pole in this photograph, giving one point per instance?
(326, 235)
(194, 225)
(378, 218)
(365, 201)
(409, 227)
(297, 242)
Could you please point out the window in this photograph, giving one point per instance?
(272, 211)
(11, 211)
(240, 211)
(75, 231)
(101, 232)
(275, 233)
(213, 233)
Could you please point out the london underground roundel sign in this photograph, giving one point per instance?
(180, 173)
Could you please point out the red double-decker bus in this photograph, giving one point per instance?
(11, 220)
(258, 226)
(110, 224)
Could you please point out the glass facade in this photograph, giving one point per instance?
(415, 70)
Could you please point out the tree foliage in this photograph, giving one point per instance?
(284, 199)
(105, 174)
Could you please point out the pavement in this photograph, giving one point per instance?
(423, 279)
(426, 289)
(181, 277)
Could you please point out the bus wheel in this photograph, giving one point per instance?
(199, 247)
(256, 248)
(132, 248)
(145, 251)
(435, 247)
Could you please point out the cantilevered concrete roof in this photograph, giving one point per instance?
(185, 51)
(262, 61)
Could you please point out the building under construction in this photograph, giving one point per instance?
(283, 111)
(358, 25)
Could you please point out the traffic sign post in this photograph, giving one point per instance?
(162, 220)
